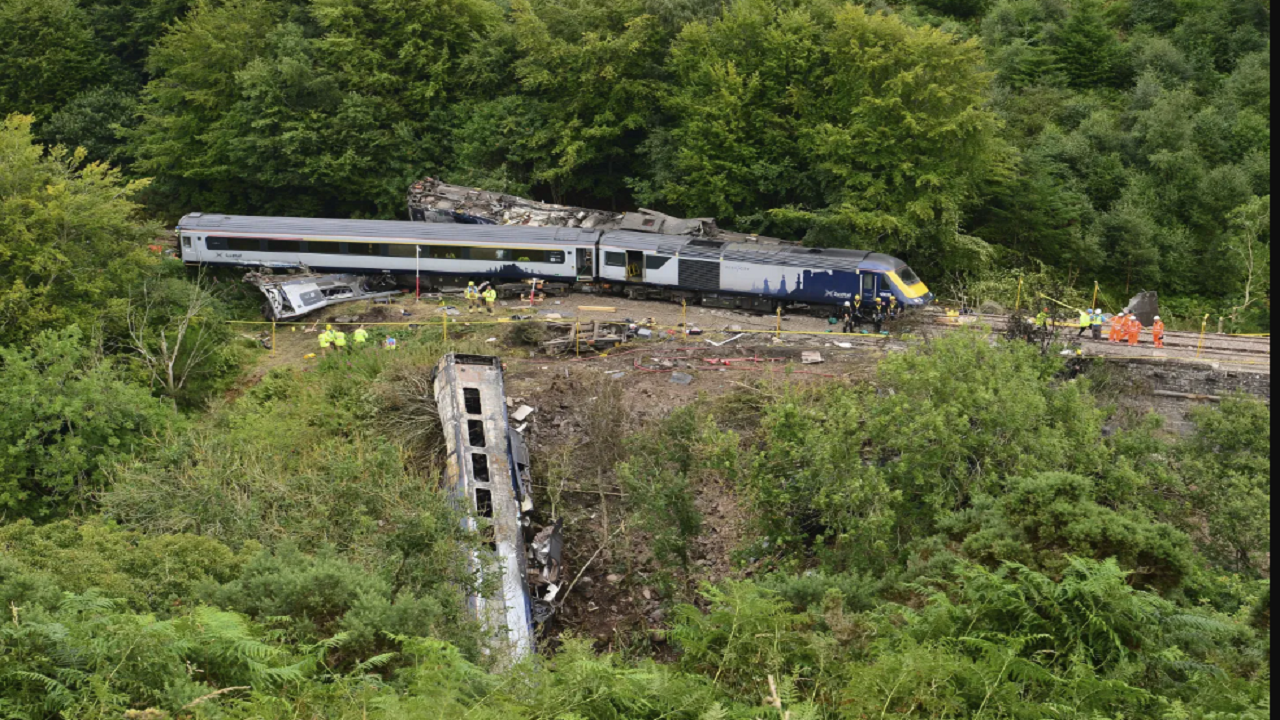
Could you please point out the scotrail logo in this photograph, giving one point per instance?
(841, 295)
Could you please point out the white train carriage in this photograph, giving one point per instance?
(389, 247)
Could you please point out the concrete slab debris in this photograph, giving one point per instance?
(810, 357)
(521, 413)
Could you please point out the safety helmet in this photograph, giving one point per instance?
(473, 282)
(1157, 317)
(1096, 311)
(328, 327)
(846, 303)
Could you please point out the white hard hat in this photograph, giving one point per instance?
(1157, 317)
(1096, 310)
(846, 303)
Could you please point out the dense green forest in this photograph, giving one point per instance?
(1126, 142)
(964, 534)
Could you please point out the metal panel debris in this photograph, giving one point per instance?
(289, 296)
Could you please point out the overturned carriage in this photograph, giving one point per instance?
(517, 564)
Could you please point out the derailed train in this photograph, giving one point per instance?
(700, 270)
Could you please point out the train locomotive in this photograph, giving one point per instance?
(699, 270)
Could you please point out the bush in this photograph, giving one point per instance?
(148, 573)
(1044, 520)
(69, 414)
(864, 472)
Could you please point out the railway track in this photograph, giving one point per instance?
(1251, 354)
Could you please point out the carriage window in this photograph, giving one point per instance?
(186, 241)
(403, 250)
(501, 254)
(654, 262)
(444, 252)
(283, 246)
(615, 259)
(364, 248)
(233, 243)
(244, 244)
(908, 276)
(324, 248)
(540, 256)
(868, 283)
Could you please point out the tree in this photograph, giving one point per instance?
(325, 112)
(94, 120)
(172, 334)
(1227, 467)
(48, 54)
(1089, 51)
(69, 413)
(850, 125)
(70, 235)
(1250, 225)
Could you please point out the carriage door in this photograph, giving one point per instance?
(635, 266)
(869, 287)
(586, 264)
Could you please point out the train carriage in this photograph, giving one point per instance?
(388, 246)
(759, 276)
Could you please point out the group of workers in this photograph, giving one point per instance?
(330, 338)
(1125, 326)
(851, 315)
(474, 295)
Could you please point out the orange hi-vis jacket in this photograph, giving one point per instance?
(1157, 333)
(1134, 330)
(1117, 327)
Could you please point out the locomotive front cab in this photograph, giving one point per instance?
(908, 288)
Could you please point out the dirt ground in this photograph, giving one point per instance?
(620, 599)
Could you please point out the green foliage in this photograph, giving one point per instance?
(148, 573)
(746, 632)
(94, 120)
(1043, 520)
(69, 414)
(70, 238)
(687, 450)
(829, 118)
(48, 55)
(1227, 468)
(313, 597)
(83, 657)
(318, 112)
(868, 471)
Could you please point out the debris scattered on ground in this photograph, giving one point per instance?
(680, 378)
(810, 357)
(521, 413)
